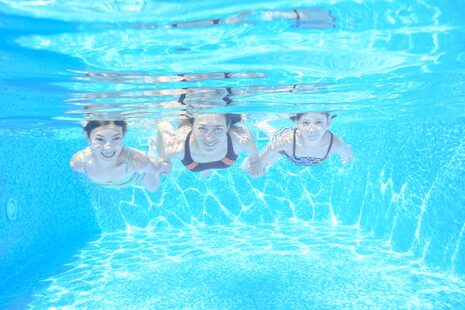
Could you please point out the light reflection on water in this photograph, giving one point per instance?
(276, 265)
(374, 60)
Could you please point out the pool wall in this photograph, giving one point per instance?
(53, 215)
(406, 187)
(403, 188)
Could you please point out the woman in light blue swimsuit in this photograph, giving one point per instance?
(308, 144)
(108, 162)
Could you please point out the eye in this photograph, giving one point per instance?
(117, 139)
(218, 128)
(305, 123)
(319, 123)
(99, 140)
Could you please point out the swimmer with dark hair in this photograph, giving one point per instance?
(108, 162)
(206, 142)
(308, 144)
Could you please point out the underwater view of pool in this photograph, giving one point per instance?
(373, 218)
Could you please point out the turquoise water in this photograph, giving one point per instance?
(383, 232)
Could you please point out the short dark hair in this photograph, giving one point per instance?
(297, 116)
(91, 125)
(231, 119)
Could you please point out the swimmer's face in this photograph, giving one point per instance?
(107, 142)
(313, 125)
(210, 130)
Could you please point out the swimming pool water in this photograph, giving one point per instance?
(383, 232)
(273, 266)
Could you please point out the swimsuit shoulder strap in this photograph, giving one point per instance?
(187, 151)
(84, 166)
(330, 145)
(230, 152)
(293, 142)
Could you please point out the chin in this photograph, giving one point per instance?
(314, 137)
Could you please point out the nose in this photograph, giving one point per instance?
(209, 138)
(108, 145)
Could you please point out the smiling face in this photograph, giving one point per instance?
(312, 126)
(210, 130)
(106, 142)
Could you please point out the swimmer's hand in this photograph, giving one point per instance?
(346, 155)
(253, 167)
(162, 166)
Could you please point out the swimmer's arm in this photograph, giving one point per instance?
(244, 141)
(343, 150)
(161, 163)
(170, 143)
(271, 154)
(76, 162)
(139, 162)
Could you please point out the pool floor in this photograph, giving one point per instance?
(280, 266)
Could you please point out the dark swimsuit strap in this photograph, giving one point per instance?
(327, 152)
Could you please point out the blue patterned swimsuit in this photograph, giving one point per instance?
(304, 161)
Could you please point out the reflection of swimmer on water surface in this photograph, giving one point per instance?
(108, 162)
(144, 78)
(310, 18)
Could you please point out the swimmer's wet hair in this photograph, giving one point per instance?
(91, 125)
(231, 119)
(297, 116)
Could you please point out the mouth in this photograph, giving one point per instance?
(313, 135)
(108, 155)
(209, 145)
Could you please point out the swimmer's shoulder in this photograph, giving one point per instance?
(77, 161)
(137, 160)
(339, 145)
(282, 139)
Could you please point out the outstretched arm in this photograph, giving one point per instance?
(343, 150)
(243, 140)
(170, 141)
(76, 162)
